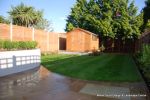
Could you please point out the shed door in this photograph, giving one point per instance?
(62, 43)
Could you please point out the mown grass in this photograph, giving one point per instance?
(106, 67)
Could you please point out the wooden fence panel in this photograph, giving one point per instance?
(4, 31)
(46, 41)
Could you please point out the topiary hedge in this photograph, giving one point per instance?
(17, 45)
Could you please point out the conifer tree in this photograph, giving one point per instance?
(107, 18)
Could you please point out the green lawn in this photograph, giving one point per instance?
(106, 67)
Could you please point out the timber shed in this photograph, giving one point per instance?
(80, 40)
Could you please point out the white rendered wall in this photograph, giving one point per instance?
(17, 61)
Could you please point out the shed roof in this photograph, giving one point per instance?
(88, 32)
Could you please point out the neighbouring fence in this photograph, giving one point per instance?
(18, 61)
(121, 46)
(145, 38)
(128, 45)
(47, 41)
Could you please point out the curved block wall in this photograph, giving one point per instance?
(17, 61)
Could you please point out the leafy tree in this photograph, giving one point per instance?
(146, 15)
(25, 15)
(76, 18)
(44, 24)
(148, 24)
(139, 22)
(108, 18)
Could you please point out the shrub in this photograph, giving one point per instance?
(8, 45)
(102, 48)
(22, 45)
(27, 45)
(15, 45)
(145, 60)
(145, 55)
(1, 44)
(31, 44)
(95, 53)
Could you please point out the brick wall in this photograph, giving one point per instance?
(46, 41)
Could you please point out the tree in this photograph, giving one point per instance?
(3, 20)
(107, 18)
(44, 24)
(146, 15)
(76, 18)
(25, 15)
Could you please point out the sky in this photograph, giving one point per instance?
(54, 10)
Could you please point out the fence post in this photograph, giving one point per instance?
(58, 41)
(33, 32)
(14, 61)
(11, 31)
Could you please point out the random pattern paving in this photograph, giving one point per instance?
(40, 84)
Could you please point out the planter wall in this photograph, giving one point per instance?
(17, 61)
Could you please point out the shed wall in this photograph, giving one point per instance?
(80, 41)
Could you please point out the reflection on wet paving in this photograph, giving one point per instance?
(40, 84)
(36, 84)
(10, 84)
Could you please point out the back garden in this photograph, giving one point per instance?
(98, 66)
(123, 55)
(112, 67)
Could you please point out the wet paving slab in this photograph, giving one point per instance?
(41, 84)
(109, 91)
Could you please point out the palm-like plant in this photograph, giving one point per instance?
(3, 20)
(25, 15)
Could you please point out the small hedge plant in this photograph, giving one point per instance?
(144, 59)
(17, 45)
